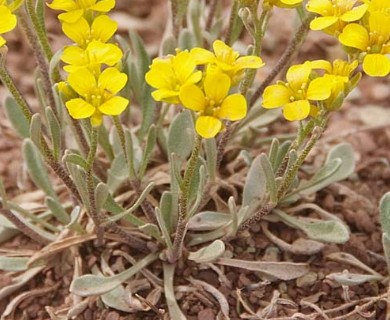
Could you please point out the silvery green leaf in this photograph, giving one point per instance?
(255, 183)
(174, 170)
(211, 156)
(181, 135)
(101, 195)
(57, 210)
(342, 151)
(117, 299)
(169, 45)
(55, 132)
(118, 173)
(187, 39)
(104, 142)
(384, 213)
(333, 231)
(91, 285)
(194, 190)
(258, 117)
(280, 270)
(151, 230)
(19, 282)
(37, 168)
(208, 220)
(13, 264)
(168, 207)
(345, 257)
(36, 129)
(150, 143)
(208, 254)
(75, 159)
(199, 238)
(202, 179)
(133, 149)
(54, 62)
(74, 216)
(196, 8)
(352, 279)
(7, 233)
(138, 48)
(273, 153)
(269, 177)
(16, 117)
(282, 151)
(306, 246)
(386, 248)
(169, 291)
(163, 228)
(79, 178)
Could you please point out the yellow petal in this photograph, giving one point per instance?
(248, 62)
(322, 64)
(78, 31)
(319, 89)
(298, 74)
(276, 96)
(96, 119)
(74, 55)
(224, 53)
(103, 6)
(355, 36)
(322, 23)
(202, 56)
(8, 20)
(65, 5)
(82, 81)
(376, 65)
(184, 66)
(103, 28)
(322, 7)
(112, 80)
(114, 106)
(233, 107)
(208, 127)
(106, 53)
(192, 97)
(2, 41)
(161, 74)
(297, 110)
(380, 22)
(355, 14)
(79, 108)
(216, 86)
(71, 16)
(169, 96)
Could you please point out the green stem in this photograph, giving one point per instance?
(183, 202)
(292, 172)
(94, 214)
(291, 50)
(232, 21)
(6, 79)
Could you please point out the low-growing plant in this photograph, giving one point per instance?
(129, 150)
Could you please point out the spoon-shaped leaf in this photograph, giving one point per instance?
(208, 254)
(90, 284)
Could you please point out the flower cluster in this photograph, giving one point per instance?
(179, 81)
(91, 60)
(8, 19)
(362, 26)
(311, 87)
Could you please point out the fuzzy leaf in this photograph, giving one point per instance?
(208, 254)
(16, 117)
(269, 176)
(57, 210)
(384, 213)
(55, 132)
(187, 39)
(101, 195)
(181, 135)
(150, 143)
(36, 129)
(91, 285)
(333, 231)
(208, 220)
(169, 291)
(13, 264)
(37, 168)
(352, 279)
(75, 159)
(255, 183)
(280, 270)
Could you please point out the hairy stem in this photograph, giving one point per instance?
(183, 203)
(292, 48)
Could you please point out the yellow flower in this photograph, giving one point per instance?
(101, 29)
(75, 9)
(340, 76)
(7, 22)
(169, 74)
(227, 60)
(378, 5)
(97, 96)
(92, 57)
(213, 104)
(295, 95)
(283, 3)
(335, 14)
(373, 41)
